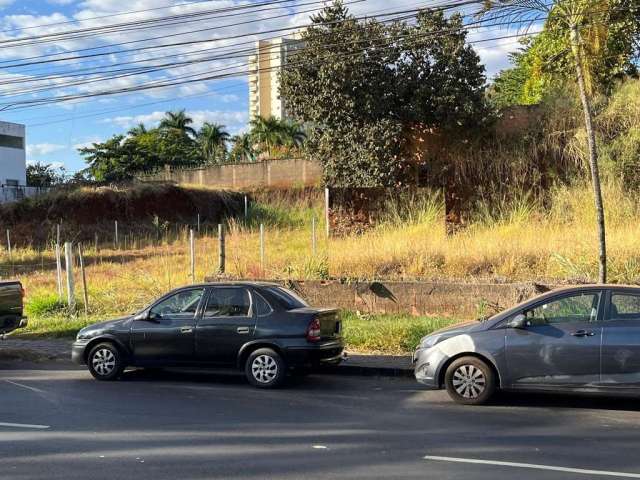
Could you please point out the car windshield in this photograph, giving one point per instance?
(288, 297)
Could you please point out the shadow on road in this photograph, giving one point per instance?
(577, 400)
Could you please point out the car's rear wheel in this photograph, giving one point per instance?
(470, 381)
(265, 368)
(105, 362)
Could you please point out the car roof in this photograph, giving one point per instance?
(560, 290)
(231, 283)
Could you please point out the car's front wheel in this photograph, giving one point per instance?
(265, 368)
(105, 362)
(470, 381)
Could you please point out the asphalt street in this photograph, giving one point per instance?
(56, 422)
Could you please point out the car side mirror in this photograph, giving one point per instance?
(148, 316)
(519, 321)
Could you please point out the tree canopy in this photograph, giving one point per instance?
(545, 62)
(177, 143)
(359, 86)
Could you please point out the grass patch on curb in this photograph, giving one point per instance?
(382, 334)
(388, 334)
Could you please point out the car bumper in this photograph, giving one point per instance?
(314, 355)
(12, 322)
(427, 364)
(78, 352)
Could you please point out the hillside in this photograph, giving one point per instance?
(140, 209)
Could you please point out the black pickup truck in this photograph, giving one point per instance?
(11, 304)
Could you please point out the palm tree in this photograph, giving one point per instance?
(293, 135)
(576, 20)
(266, 133)
(212, 139)
(242, 148)
(179, 122)
(271, 134)
(138, 130)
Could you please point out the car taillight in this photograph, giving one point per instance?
(23, 292)
(313, 330)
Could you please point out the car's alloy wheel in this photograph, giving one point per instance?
(470, 381)
(265, 368)
(105, 362)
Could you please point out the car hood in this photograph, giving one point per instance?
(97, 328)
(448, 332)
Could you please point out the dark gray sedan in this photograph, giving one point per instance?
(580, 339)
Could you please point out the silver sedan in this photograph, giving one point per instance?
(579, 339)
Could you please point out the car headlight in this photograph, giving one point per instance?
(429, 341)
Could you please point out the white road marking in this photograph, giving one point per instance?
(24, 425)
(533, 466)
(33, 389)
(320, 447)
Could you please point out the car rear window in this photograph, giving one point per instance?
(289, 298)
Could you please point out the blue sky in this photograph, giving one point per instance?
(54, 132)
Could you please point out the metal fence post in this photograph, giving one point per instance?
(115, 237)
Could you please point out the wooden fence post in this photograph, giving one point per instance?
(221, 258)
(198, 223)
(313, 236)
(68, 260)
(97, 248)
(85, 294)
(59, 271)
(192, 251)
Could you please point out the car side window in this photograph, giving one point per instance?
(579, 308)
(228, 302)
(262, 307)
(182, 304)
(624, 307)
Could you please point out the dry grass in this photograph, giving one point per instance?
(514, 243)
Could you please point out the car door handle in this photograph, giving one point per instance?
(242, 330)
(583, 333)
(186, 329)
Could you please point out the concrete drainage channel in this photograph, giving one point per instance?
(59, 350)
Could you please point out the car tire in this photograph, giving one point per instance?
(105, 362)
(265, 368)
(470, 381)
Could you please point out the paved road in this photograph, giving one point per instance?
(186, 425)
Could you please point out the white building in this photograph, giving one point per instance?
(264, 82)
(13, 160)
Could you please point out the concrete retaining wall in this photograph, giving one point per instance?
(460, 300)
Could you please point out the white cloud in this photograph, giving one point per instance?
(4, 3)
(38, 149)
(232, 119)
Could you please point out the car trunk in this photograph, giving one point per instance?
(330, 324)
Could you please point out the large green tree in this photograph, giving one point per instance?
(359, 86)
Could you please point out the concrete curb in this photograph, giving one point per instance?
(362, 370)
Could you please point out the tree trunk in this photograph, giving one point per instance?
(576, 45)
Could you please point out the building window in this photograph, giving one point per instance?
(10, 141)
